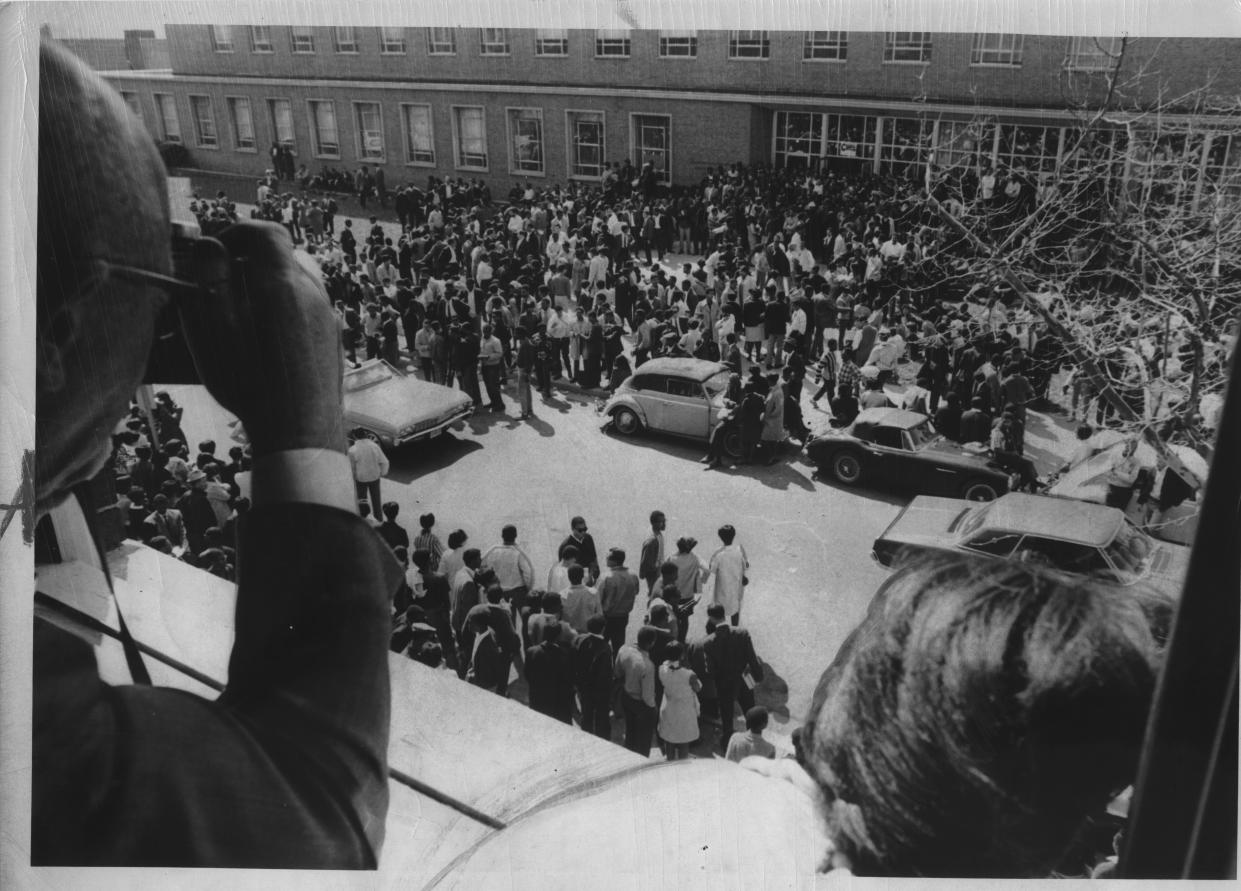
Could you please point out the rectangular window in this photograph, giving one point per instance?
(243, 123)
(493, 42)
(586, 154)
(551, 42)
(302, 38)
(131, 99)
(441, 42)
(1093, 53)
(748, 45)
(260, 39)
(907, 46)
(798, 139)
(392, 41)
(169, 124)
(612, 44)
(419, 137)
(323, 126)
(997, 49)
(469, 138)
(525, 140)
(826, 46)
(904, 146)
(964, 144)
(222, 38)
(204, 122)
(850, 136)
(651, 141)
(346, 39)
(281, 111)
(678, 44)
(368, 120)
(1033, 149)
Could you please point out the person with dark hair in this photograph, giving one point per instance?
(653, 550)
(433, 594)
(451, 562)
(845, 407)
(427, 540)
(549, 673)
(948, 417)
(513, 570)
(390, 530)
(751, 743)
(729, 565)
(525, 372)
(584, 542)
(734, 666)
(580, 602)
(464, 596)
(552, 606)
(618, 589)
(287, 767)
(980, 714)
(592, 675)
(487, 667)
(976, 422)
(558, 575)
(678, 713)
(636, 673)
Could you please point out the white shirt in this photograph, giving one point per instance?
(368, 460)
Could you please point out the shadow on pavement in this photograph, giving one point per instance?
(886, 494)
(421, 458)
(772, 693)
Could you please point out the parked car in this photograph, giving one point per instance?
(683, 397)
(1074, 536)
(395, 408)
(901, 449)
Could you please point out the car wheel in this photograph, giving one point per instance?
(847, 467)
(979, 490)
(732, 444)
(626, 421)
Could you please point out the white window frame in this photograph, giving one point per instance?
(275, 128)
(161, 115)
(1092, 53)
(635, 151)
(780, 140)
(898, 45)
(999, 50)
(303, 43)
(315, 147)
(510, 115)
(410, 161)
(570, 129)
(493, 42)
(544, 40)
(392, 47)
(613, 43)
(436, 47)
(832, 48)
(198, 129)
(232, 104)
(221, 38)
(678, 45)
(260, 39)
(456, 139)
(134, 103)
(345, 47)
(359, 135)
(744, 46)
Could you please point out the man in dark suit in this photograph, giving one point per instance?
(487, 666)
(549, 672)
(579, 538)
(287, 768)
(733, 664)
(592, 674)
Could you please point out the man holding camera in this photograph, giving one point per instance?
(287, 768)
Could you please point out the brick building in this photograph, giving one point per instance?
(508, 104)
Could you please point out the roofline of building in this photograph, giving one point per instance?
(844, 102)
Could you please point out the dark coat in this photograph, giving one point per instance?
(549, 672)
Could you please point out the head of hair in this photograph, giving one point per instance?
(716, 611)
(596, 624)
(656, 516)
(673, 651)
(495, 593)
(659, 613)
(570, 552)
(727, 533)
(616, 557)
(457, 538)
(756, 719)
(402, 554)
(668, 570)
(979, 714)
(552, 603)
(646, 637)
(391, 509)
(508, 534)
(1084, 431)
(576, 574)
(472, 558)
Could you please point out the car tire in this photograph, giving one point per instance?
(732, 444)
(626, 422)
(979, 490)
(847, 467)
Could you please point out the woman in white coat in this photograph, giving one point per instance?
(678, 713)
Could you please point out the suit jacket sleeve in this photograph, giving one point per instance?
(287, 768)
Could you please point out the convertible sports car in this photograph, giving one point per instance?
(683, 397)
(1090, 539)
(902, 449)
(395, 408)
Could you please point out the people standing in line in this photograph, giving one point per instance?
(369, 465)
(636, 673)
(678, 713)
(618, 590)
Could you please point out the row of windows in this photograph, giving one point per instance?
(650, 135)
(1084, 53)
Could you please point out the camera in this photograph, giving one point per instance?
(169, 361)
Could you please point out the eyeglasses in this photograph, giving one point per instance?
(174, 287)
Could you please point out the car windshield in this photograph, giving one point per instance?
(973, 520)
(366, 377)
(1130, 551)
(922, 433)
(716, 384)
